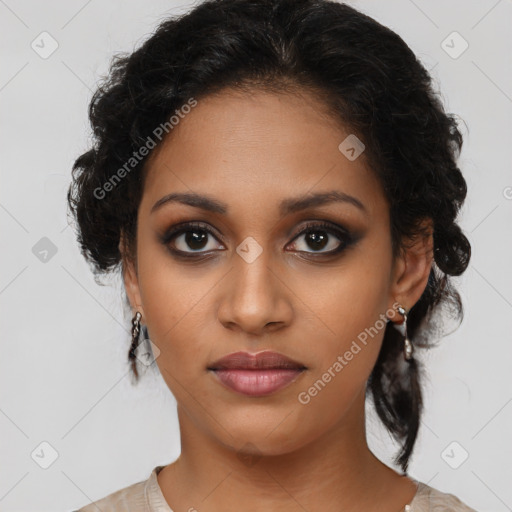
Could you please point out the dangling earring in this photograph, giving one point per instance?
(135, 335)
(407, 341)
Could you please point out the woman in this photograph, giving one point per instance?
(277, 182)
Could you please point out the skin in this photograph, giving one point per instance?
(270, 453)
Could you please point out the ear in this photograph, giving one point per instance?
(130, 278)
(412, 268)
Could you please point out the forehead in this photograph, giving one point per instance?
(258, 148)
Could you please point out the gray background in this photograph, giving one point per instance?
(64, 339)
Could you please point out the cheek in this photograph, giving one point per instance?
(341, 370)
(177, 311)
(348, 300)
(347, 329)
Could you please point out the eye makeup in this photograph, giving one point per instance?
(200, 234)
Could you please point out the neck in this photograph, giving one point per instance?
(334, 471)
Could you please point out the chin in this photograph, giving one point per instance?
(262, 438)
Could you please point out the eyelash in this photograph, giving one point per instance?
(346, 239)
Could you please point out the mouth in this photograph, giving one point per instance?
(258, 374)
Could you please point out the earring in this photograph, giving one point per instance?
(135, 334)
(407, 341)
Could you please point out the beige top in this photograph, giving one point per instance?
(146, 496)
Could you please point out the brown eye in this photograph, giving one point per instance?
(321, 238)
(190, 239)
(195, 240)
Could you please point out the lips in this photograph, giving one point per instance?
(255, 375)
(261, 361)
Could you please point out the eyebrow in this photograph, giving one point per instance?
(286, 207)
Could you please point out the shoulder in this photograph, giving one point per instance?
(128, 498)
(143, 496)
(429, 499)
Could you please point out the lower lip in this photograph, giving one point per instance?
(257, 382)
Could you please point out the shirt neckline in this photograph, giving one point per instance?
(419, 490)
(157, 503)
(153, 494)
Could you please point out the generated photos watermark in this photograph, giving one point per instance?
(304, 397)
(138, 156)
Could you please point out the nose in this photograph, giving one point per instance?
(255, 299)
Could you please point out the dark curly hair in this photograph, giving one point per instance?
(366, 76)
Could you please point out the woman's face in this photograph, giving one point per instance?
(244, 278)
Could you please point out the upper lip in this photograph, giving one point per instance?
(259, 361)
